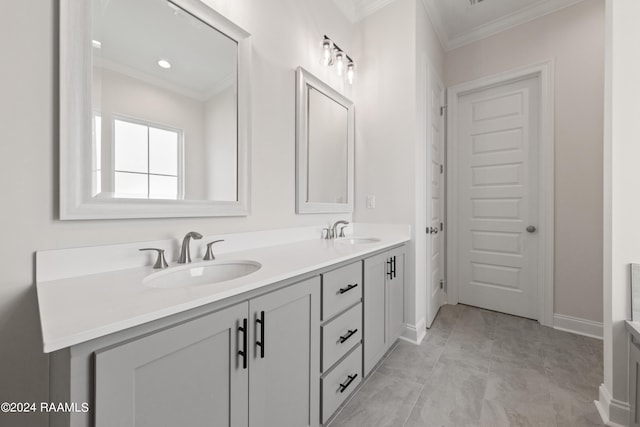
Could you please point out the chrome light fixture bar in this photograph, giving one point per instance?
(333, 55)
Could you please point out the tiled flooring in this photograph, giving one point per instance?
(481, 368)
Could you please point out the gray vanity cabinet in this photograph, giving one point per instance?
(204, 372)
(190, 374)
(252, 360)
(383, 304)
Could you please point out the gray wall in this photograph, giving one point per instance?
(574, 38)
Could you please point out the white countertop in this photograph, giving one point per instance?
(84, 307)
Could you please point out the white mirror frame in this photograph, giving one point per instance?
(304, 79)
(75, 124)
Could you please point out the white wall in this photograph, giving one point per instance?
(621, 204)
(574, 39)
(391, 106)
(286, 33)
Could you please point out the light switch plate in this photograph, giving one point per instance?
(371, 202)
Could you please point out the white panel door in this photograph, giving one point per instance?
(435, 197)
(497, 197)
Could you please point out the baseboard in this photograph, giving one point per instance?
(578, 326)
(613, 412)
(414, 333)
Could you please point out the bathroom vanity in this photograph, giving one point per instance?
(281, 327)
(283, 346)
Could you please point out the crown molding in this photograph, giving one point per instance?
(356, 10)
(370, 7)
(439, 26)
(494, 27)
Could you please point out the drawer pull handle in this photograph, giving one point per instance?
(348, 335)
(245, 339)
(347, 289)
(260, 343)
(346, 385)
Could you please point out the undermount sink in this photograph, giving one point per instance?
(204, 273)
(357, 240)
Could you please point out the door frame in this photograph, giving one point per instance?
(426, 159)
(544, 72)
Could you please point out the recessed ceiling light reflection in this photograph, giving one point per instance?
(163, 63)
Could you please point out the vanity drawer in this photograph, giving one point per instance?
(341, 335)
(341, 382)
(341, 288)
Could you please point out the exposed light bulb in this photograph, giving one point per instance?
(351, 72)
(163, 63)
(327, 52)
(340, 62)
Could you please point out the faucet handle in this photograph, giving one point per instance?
(209, 256)
(160, 261)
(327, 233)
(341, 234)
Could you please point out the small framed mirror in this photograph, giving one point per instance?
(154, 110)
(325, 147)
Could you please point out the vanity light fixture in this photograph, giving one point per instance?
(163, 63)
(333, 55)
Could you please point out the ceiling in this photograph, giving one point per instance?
(458, 23)
(134, 35)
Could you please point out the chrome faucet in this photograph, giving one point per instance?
(185, 253)
(334, 228)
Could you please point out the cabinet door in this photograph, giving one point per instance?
(285, 364)
(375, 272)
(187, 375)
(395, 298)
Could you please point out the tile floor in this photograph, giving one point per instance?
(482, 368)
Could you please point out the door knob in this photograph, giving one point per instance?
(531, 229)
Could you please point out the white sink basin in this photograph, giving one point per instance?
(357, 240)
(204, 273)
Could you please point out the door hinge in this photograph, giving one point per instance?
(441, 168)
(441, 226)
(443, 109)
(441, 284)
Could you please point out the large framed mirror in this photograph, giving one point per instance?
(325, 147)
(154, 110)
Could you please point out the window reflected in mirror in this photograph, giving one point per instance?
(146, 161)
